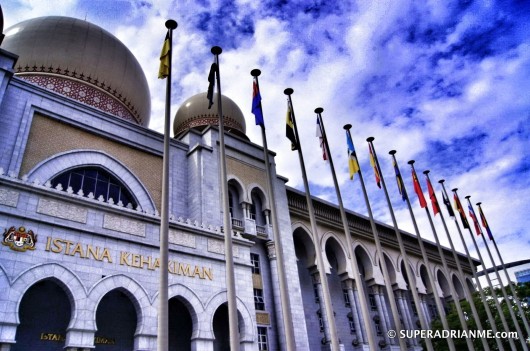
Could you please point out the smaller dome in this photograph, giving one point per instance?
(194, 113)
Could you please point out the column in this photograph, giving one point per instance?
(424, 298)
(381, 314)
(323, 315)
(271, 250)
(359, 314)
(349, 284)
(405, 312)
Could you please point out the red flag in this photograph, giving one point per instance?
(374, 165)
(485, 223)
(432, 195)
(417, 189)
(474, 218)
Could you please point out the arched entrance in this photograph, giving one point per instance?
(44, 313)
(221, 329)
(116, 322)
(180, 326)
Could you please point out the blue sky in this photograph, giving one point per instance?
(443, 82)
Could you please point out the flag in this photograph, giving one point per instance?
(417, 189)
(163, 71)
(485, 223)
(432, 195)
(256, 104)
(474, 218)
(458, 207)
(321, 139)
(353, 165)
(448, 205)
(211, 80)
(399, 180)
(374, 165)
(289, 129)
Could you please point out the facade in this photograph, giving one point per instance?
(80, 191)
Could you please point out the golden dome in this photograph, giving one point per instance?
(82, 61)
(194, 113)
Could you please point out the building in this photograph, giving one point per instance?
(80, 193)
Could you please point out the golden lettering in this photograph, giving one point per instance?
(78, 249)
(156, 264)
(52, 337)
(48, 241)
(144, 260)
(171, 267)
(124, 258)
(208, 273)
(184, 270)
(136, 261)
(106, 254)
(198, 272)
(57, 244)
(92, 252)
(68, 243)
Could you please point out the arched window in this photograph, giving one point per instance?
(96, 181)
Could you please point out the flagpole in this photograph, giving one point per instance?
(448, 276)
(492, 289)
(517, 301)
(459, 268)
(473, 270)
(432, 281)
(381, 259)
(505, 295)
(284, 292)
(227, 222)
(410, 275)
(372, 343)
(318, 250)
(162, 335)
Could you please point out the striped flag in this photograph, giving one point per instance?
(353, 165)
(256, 104)
(485, 223)
(458, 207)
(374, 166)
(399, 180)
(474, 218)
(289, 129)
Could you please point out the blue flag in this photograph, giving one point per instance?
(256, 105)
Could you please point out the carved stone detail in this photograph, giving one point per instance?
(218, 246)
(124, 225)
(62, 210)
(182, 239)
(9, 197)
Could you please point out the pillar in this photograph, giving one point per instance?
(355, 311)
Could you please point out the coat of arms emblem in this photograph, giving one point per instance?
(19, 240)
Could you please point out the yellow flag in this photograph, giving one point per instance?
(163, 71)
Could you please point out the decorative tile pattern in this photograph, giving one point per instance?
(8, 197)
(124, 225)
(62, 210)
(182, 239)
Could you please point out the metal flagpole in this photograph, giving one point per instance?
(517, 301)
(459, 268)
(284, 292)
(461, 316)
(506, 298)
(446, 270)
(162, 335)
(227, 223)
(491, 320)
(372, 343)
(410, 275)
(492, 289)
(381, 259)
(318, 250)
(432, 282)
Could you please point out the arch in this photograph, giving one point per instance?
(303, 244)
(364, 262)
(134, 291)
(246, 325)
(258, 204)
(331, 242)
(66, 279)
(54, 165)
(443, 282)
(192, 303)
(260, 192)
(391, 269)
(419, 283)
(237, 184)
(424, 276)
(236, 197)
(459, 288)
(470, 285)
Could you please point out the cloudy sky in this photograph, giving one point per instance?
(445, 83)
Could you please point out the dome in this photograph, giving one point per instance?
(82, 61)
(194, 113)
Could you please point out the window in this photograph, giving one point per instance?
(373, 305)
(346, 297)
(414, 310)
(315, 291)
(259, 302)
(254, 260)
(377, 324)
(96, 181)
(263, 343)
(350, 321)
(320, 321)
